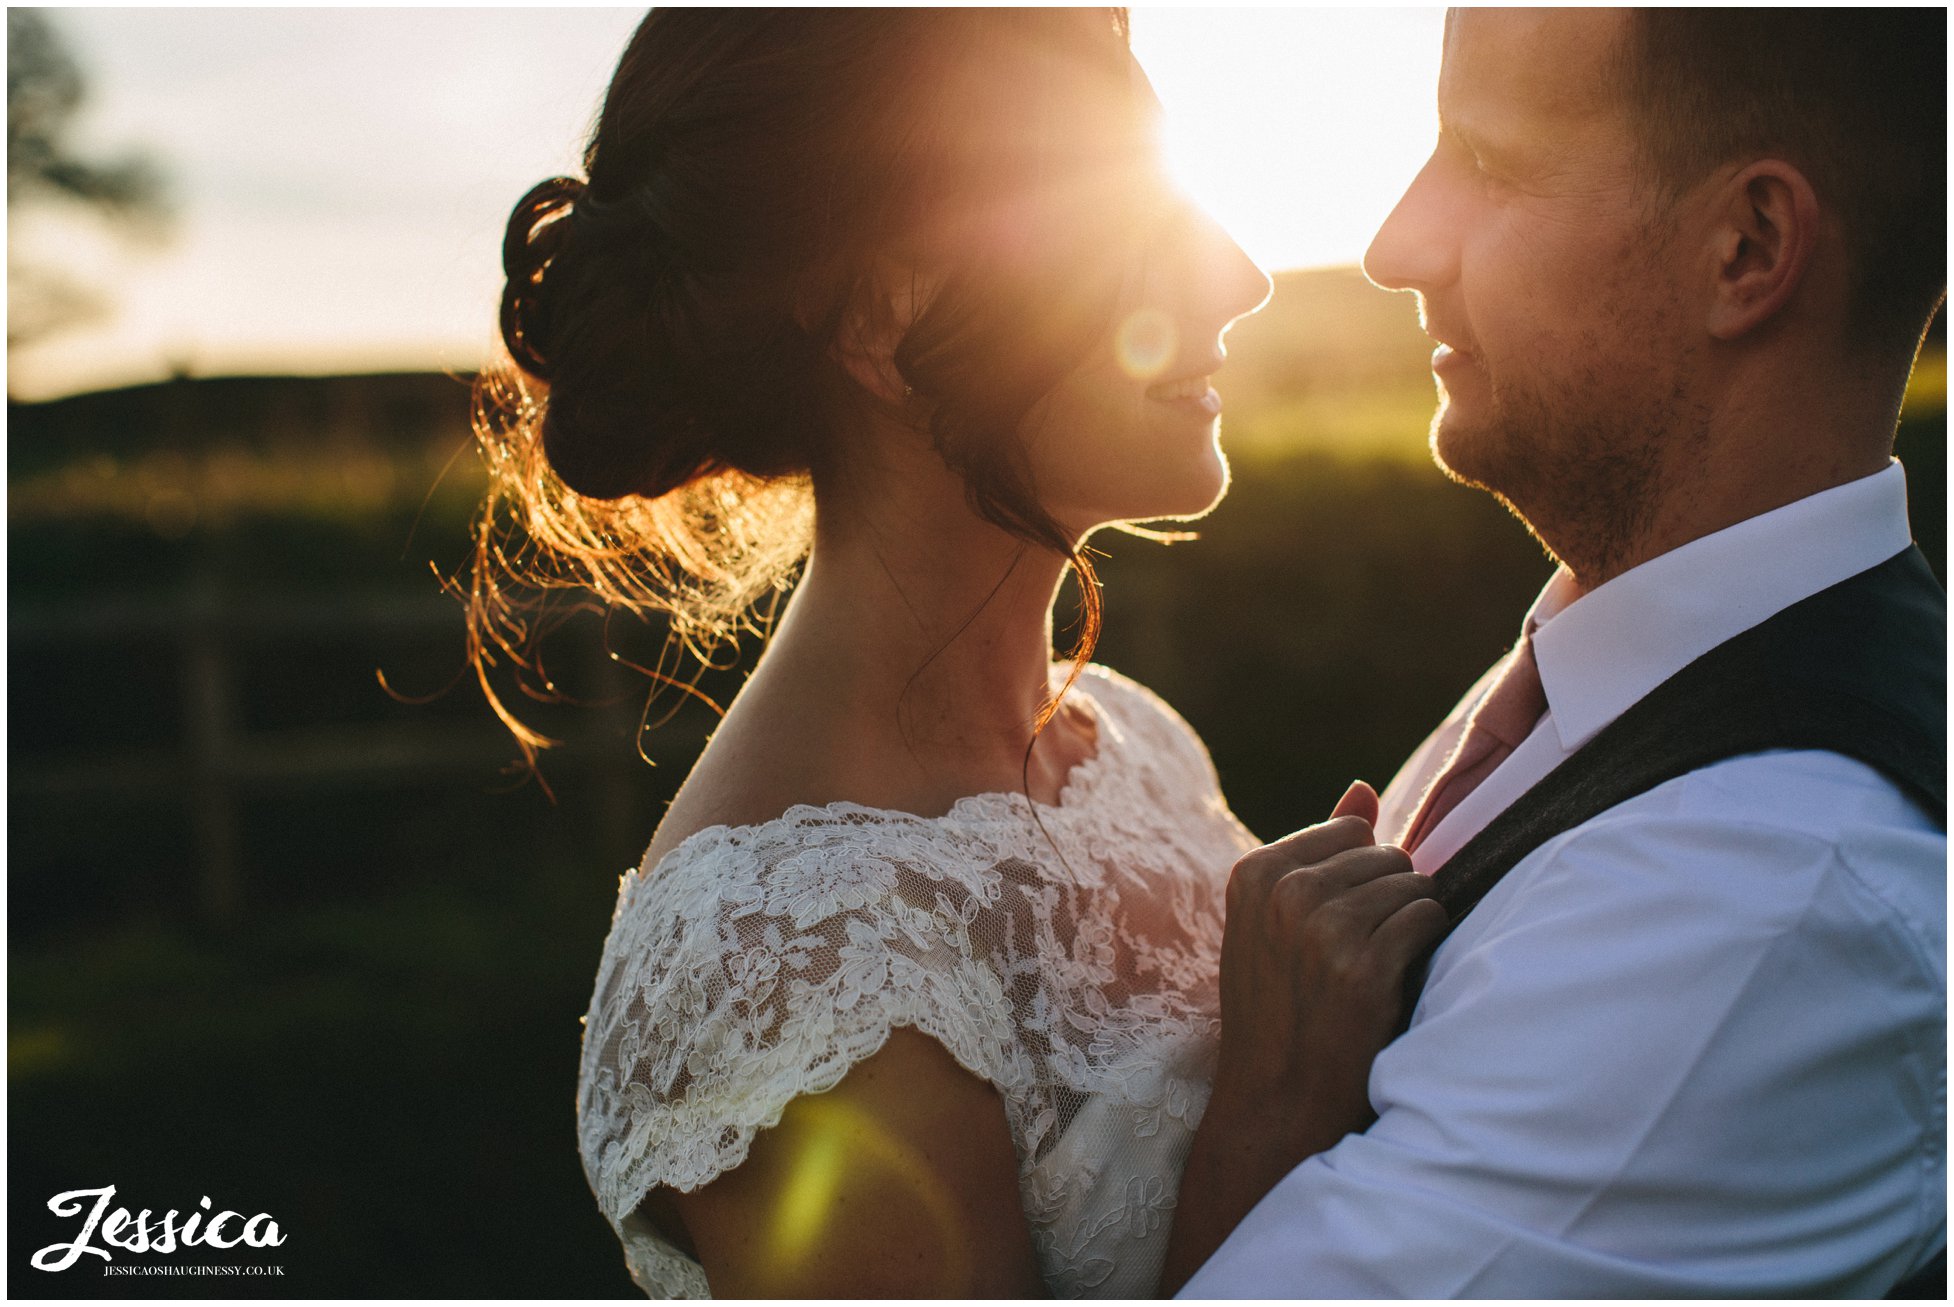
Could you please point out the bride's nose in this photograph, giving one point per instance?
(1233, 284)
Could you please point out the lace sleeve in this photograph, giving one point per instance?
(1183, 766)
(757, 964)
(1069, 960)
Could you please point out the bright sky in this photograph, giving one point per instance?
(344, 174)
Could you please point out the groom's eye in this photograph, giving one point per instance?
(1470, 154)
(1488, 173)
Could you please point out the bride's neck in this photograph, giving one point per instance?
(941, 623)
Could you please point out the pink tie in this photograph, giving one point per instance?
(1505, 716)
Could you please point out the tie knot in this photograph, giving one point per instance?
(1506, 715)
(1513, 706)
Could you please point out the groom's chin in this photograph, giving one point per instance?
(1465, 451)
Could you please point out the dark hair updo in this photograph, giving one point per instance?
(670, 324)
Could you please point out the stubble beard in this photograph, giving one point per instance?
(1585, 468)
(1590, 459)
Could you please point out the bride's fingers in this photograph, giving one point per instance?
(1360, 800)
(1334, 906)
(1320, 842)
(1344, 872)
(1415, 926)
(1258, 872)
(1355, 913)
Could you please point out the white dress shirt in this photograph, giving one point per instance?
(1696, 1046)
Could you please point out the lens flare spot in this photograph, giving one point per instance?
(809, 1199)
(843, 1160)
(1146, 343)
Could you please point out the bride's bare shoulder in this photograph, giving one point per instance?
(770, 754)
(737, 782)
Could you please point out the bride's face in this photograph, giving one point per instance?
(1133, 433)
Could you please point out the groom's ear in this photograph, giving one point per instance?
(1766, 221)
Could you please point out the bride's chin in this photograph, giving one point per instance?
(1181, 492)
(1165, 511)
(1202, 490)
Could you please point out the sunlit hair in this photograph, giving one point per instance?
(668, 391)
(1857, 98)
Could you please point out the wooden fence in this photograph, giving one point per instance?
(218, 762)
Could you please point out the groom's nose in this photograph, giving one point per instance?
(1417, 247)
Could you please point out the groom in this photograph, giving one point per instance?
(1686, 1035)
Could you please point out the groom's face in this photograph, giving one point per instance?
(1542, 270)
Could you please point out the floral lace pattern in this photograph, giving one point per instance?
(1073, 968)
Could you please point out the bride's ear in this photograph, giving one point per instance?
(885, 306)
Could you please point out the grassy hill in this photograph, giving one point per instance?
(1331, 364)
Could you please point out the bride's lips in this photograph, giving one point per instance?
(1192, 392)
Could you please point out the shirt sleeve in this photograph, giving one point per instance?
(1695, 1047)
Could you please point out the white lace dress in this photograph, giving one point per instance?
(1076, 974)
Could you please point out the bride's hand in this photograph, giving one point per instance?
(1321, 929)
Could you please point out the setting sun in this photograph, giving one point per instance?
(1296, 129)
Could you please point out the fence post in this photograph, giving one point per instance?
(208, 720)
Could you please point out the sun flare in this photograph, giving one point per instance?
(1296, 130)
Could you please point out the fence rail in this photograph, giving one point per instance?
(217, 764)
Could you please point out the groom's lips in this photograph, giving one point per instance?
(1448, 355)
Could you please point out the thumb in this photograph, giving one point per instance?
(1360, 800)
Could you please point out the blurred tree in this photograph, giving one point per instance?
(45, 89)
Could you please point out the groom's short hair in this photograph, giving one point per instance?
(1855, 98)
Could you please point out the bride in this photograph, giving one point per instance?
(914, 992)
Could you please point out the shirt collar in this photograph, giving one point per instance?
(1601, 652)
